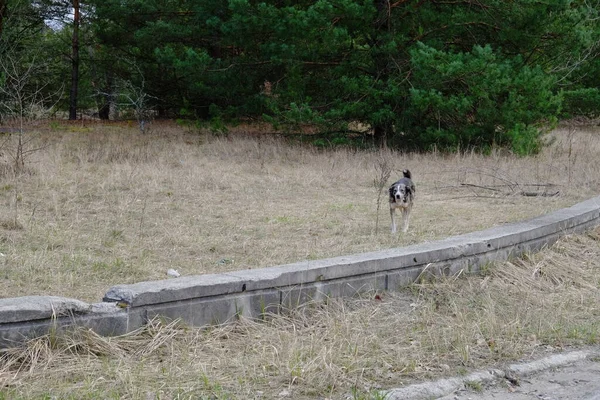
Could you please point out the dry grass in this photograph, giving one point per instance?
(347, 348)
(103, 205)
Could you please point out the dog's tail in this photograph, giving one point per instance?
(406, 174)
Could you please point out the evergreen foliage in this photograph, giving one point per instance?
(422, 74)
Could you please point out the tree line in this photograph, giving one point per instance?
(421, 73)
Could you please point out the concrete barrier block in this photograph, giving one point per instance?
(31, 308)
(16, 333)
(347, 266)
(105, 320)
(586, 214)
(293, 296)
(216, 310)
(403, 277)
(169, 290)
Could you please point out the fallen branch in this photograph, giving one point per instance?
(543, 194)
(480, 187)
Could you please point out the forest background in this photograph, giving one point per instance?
(413, 74)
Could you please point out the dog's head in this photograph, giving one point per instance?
(401, 192)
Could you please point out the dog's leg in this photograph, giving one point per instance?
(393, 215)
(405, 219)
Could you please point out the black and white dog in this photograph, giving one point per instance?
(402, 195)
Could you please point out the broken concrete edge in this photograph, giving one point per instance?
(216, 298)
(445, 388)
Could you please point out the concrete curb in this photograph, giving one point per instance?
(216, 298)
(444, 388)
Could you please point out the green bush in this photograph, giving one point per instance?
(581, 102)
(476, 100)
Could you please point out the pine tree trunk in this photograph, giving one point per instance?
(382, 27)
(380, 135)
(106, 98)
(74, 62)
(3, 10)
(104, 111)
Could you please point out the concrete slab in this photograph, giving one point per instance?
(169, 290)
(294, 296)
(103, 318)
(216, 310)
(31, 308)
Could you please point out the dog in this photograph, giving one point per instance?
(402, 195)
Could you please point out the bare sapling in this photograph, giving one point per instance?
(21, 103)
(571, 157)
(383, 171)
(134, 97)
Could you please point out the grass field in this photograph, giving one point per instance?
(100, 205)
